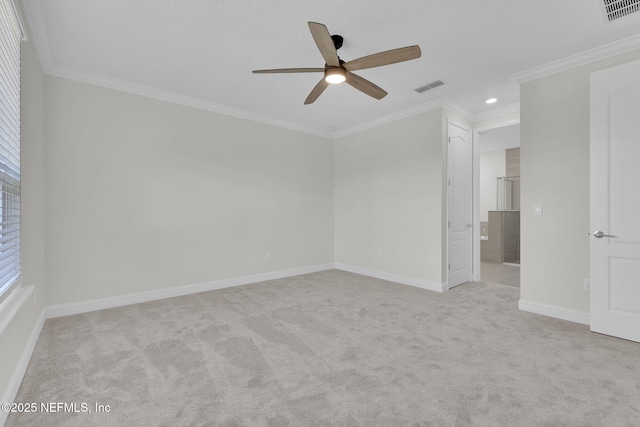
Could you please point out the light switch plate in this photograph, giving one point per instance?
(537, 210)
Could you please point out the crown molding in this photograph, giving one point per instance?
(35, 24)
(17, 9)
(498, 112)
(408, 112)
(458, 109)
(35, 27)
(601, 52)
(151, 92)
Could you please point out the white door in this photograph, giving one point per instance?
(459, 153)
(615, 201)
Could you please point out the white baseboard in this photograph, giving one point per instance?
(404, 280)
(158, 294)
(557, 312)
(21, 368)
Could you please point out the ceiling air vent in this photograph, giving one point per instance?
(616, 9)
(432, 85)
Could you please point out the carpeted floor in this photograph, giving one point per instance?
(332, 349)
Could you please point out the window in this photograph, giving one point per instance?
(10, 38)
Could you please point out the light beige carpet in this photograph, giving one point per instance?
(332, 349)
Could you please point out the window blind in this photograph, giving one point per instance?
(10, 38)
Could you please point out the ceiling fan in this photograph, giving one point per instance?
(337, 71)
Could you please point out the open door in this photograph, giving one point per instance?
(459, 152)
(615, 201)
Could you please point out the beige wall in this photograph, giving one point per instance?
(14, 338)
(33, 166)
(144, 195)
(389, 199)
(555, 174)
(387, 187)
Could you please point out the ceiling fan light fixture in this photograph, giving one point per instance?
(337, 71)
(335, 75)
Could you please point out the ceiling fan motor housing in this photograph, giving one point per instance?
(326, 67)
(337, 41)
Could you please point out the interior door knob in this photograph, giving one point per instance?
(600, 235)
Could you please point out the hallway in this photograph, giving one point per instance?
(505, 274)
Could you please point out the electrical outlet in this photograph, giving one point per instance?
(587, 284)
(400, 257)
(267, 256)
(379, 254)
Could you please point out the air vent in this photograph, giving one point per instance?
(616, 9)
(432, 85)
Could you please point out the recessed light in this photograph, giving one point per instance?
(491, 100)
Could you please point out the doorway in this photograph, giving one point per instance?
(497, 204)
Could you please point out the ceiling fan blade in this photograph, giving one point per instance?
(384, 58)
(325, 43)
(290, 70)
(316, 92)
(365, 86)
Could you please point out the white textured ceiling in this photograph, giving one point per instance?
(204, 50)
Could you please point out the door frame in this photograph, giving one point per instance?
(475, 204)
